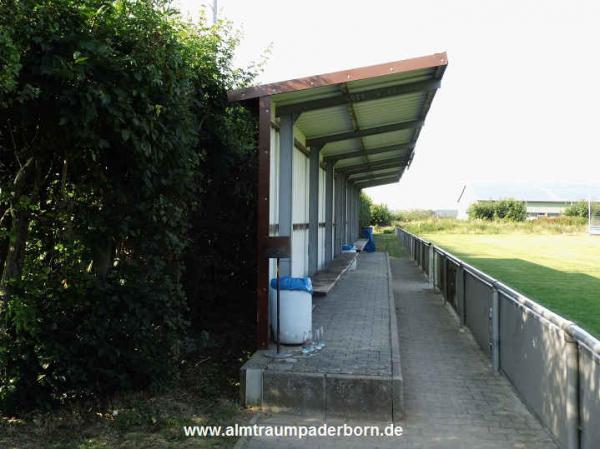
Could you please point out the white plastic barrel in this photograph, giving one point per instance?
(296, 315)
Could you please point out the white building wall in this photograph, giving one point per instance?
(300, 215)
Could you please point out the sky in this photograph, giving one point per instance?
(519, 100)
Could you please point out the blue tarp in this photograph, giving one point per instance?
(368, 234)
(348, 247)
(290, 283)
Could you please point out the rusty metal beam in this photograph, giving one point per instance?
(344, 76)
(262, 222)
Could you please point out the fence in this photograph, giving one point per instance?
(553, 364)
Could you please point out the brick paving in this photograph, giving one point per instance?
(452, 398)
(357, 334)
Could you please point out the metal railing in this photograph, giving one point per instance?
(553, 364)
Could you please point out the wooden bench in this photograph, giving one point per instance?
(323, 281)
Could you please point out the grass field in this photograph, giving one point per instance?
(390, 244)
(560, 271)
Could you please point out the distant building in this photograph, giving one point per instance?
(541, 200)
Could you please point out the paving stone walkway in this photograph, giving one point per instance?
(357, 336)
(452, 398)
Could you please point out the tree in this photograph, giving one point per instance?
(105, 109)
(364, 211)
(578, 209)
(381, 215)
(508, 209)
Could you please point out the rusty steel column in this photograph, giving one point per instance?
(262, 222)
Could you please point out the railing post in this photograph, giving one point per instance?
(495, 325)
(572, 396)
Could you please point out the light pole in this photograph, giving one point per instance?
(214, 10)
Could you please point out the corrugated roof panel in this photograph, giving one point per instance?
(349, 162)
(341, 146)
(375, 173)
(387, 155)
(394, 137)
(306, 95)
(390, 171)
(324, 122)
(388, 110)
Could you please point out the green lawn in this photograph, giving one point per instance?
(561, 272)
(390, 244)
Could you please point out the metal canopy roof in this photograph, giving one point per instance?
(367, 120)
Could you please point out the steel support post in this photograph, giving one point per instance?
(344, 230)
(338, 216)
(286, 158)
(328, 212)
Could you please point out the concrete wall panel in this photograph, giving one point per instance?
(532, 357)
(589, 391)
(477, 306)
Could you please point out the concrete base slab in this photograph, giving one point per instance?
(294, 393)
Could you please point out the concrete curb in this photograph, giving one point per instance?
(397, 381)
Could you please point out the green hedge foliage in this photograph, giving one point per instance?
(119, 152)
